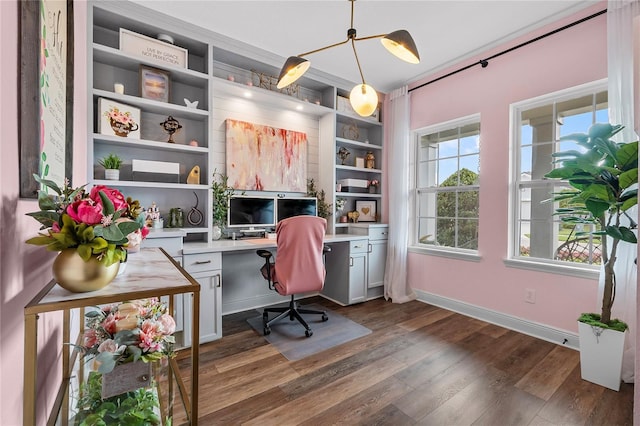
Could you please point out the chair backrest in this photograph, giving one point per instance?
(299, 265)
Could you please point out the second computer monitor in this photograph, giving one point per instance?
(296, 206)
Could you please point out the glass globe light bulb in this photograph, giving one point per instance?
(363, 99)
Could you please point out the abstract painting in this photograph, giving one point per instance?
(265, 158)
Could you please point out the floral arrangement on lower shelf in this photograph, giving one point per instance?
(140, 330)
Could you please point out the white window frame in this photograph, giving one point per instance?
(414, 245)
(514, 259)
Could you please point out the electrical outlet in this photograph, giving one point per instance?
(529, 295)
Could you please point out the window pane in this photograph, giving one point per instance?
(427, 204)
(427, 231)
(468, 204)
(446, 232)
(468, 234)
(526, 161)
(447, 204)
(448, 149)
(448, 172)
(470, 145)
(472, 164)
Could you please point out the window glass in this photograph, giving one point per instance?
(447, 185)
(538, 234)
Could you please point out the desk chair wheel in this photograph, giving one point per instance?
(325, 317)
(267, 330)
(308, 333)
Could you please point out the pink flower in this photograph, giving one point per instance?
(85, 211)
(115, 196)
(150, 334)
(167, 324)
(109, 323)
(90, 338)
(108, 345)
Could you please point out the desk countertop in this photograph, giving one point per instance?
(254, 243)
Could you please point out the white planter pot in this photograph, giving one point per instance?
(112, 174)
(601, 355)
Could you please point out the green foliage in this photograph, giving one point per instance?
(111, 161)
(460, 204)
(324, 208)
(136, 408)
(603, 178)
(221, 194)
(594, 320)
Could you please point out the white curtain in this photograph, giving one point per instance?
(396, 286)
(620, 21)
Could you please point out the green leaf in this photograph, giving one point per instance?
(561, 173)
(628, 235)
(48, 183)
(614, 232)
(84, 251)
(628, 178)
(628, 203)
(628, 155)
(46, 218)
(597, 207)
(607, 147)
(107, 205)
(578, 137)
(128, 227)
(112, 233)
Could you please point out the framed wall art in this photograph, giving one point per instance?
(367, 210)
(117, 119)
(46, 93)
(154, 84)
(265, 158)
(152, 49)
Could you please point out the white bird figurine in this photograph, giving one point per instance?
(190, 104)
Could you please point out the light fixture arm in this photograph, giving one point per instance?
(302, 55)
(353, 44)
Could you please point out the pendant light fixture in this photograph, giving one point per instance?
(363, 98)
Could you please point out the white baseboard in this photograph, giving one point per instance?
(540, 331)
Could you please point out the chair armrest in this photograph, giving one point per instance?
(265, 254)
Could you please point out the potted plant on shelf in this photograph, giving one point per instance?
(603, 176)
(373, 186)
(111, 164)
(221, 194)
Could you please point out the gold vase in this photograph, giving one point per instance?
(74, 274)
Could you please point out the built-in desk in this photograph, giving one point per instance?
(229, 275)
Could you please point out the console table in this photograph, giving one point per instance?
(150, 273)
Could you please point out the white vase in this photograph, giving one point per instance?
(217, 232)
(601, 355)
(112, 174)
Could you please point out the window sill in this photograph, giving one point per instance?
(592, 273)
(460, 255)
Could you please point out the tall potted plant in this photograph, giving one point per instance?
(603, 176)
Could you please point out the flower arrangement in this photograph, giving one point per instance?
(374, 182)
(340, 203)
(128, 332)
(99, 222)
(119, 117)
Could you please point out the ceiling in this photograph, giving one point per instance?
(445, 31)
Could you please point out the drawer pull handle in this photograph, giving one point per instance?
(202, 262)
(350, 261)
(357, 246)
(218, 280)
(370, 248)
(384, 233)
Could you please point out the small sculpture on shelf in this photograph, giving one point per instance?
(343, 153)
(171, 126)
(370, 160)
(195, 216)
(153, 218)
(354, 215)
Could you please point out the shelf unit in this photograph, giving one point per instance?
(108, 65)
(218, 69)
(359, 136)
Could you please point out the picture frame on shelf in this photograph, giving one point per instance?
(118, 119)
(360, 162)
(154, 83)
(153, 50)
(367, 210)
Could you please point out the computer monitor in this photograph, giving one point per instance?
(250, 212)
(296, 206)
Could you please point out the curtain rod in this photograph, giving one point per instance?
(485, 62)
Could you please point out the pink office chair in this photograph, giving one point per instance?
(299, 267)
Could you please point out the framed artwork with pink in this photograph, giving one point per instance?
(265, 158)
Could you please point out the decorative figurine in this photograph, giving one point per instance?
(194, 176)
(171, 125)
(370, 160)
(195, 216)
(354, 215)
(343, 153)
(190, 104)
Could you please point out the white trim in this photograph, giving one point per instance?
(530, 328)
(471, 255)
(552, 268)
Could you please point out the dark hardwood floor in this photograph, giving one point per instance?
(420, 365)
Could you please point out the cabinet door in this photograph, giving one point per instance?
(357, 277)
(377, 261)
(210, 307)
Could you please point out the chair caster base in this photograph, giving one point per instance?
(308, 333)
(325, 317)
(267, 331)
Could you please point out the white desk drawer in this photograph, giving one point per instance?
(379, 233)
(359, 246)
(172, 245)
(202, 262)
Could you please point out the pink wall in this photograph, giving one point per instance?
(25, 269)
(572, 57)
